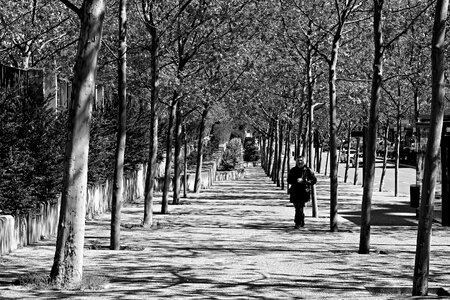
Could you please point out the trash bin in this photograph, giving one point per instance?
(414, 190)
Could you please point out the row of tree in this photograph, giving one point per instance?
(284, 68)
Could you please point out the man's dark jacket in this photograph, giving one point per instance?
(300, 192)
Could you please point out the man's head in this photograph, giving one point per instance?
(300, 162)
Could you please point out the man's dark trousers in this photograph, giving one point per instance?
(299, 218)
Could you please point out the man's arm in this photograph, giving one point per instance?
(312, 177)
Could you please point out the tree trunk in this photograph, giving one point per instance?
(300, 134)
(383, 171)
(263, 154)
(315, 212)
(199, 165)
(319, 161)
(169, 142)
(117, 198)
(67, 267)
(333, 144)
(369, 176)
(445, 193)
(355, 178)
(286, 160)
(151, 171)
(177, 159)
(347, 160)
(339, 156)
(154, 95)
(270, 149)
(276, 154)
(422, 260)
(397, 156)
(280, 151)
(185, 164)
(419, 153)
(295, 145)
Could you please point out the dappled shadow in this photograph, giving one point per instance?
(386, 215)
(237, 241)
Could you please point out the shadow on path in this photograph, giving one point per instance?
(237, 241)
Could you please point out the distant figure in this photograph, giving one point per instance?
(301, 178)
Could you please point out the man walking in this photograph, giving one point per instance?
(301, 178)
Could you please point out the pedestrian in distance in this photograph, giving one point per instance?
(301, 178)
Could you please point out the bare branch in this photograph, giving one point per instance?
(109, 49)
(405, 30)
(54, 52)
(72, 7)
(353, 80)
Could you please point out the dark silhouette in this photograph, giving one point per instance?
(301, 178)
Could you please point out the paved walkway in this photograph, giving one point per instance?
(237, 241)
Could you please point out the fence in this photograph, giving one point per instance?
(16, 232)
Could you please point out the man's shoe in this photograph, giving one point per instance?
(302, 224)
(297, 226)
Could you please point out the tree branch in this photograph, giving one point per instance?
(72, 7)
(109, 49)
(387, 45)
(56, 51)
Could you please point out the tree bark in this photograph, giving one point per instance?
(117, 198)
(397, 153)
(185, 163)
(276, 154)
(300, 134)
(286, 155)
(347, 157)
(280, 151)
(309, 144)
(445, 193)
(154, 95)
(169, 143)
(270, 148)
(151, 169)
(422, 260)
(177, 158)
(369, 176)
(355, 178)
(383, 170)
(264, 153)
(199, 165)
(333, 145)
(67, 267)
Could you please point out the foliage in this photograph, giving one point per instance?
(245, 60)
(101, 147)
(32, 151)
(210, 148)
(251, 152)
(31, 154)
(103, 143)
(232, 155)
(220, 132)
(192, 159)
(37, 34)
